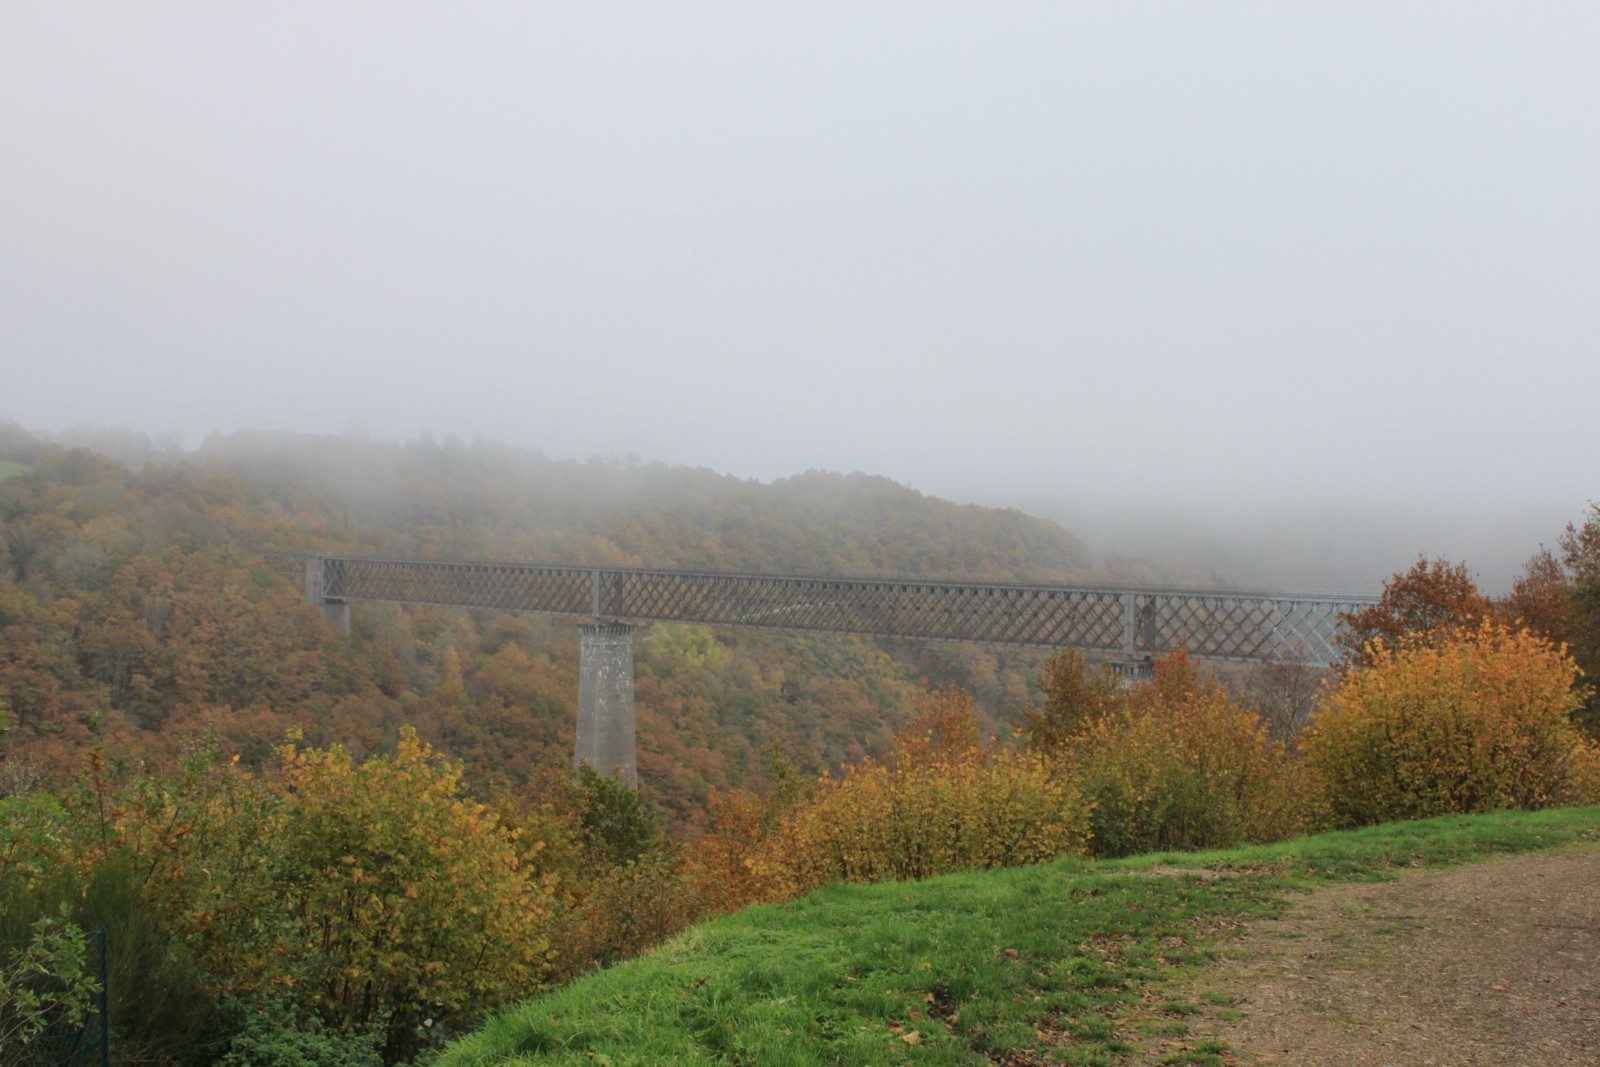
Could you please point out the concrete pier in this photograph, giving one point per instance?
(606, 739)
(335, 613)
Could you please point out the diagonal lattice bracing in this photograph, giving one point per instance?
(290, 565)
(503, 586)
(1125, 624)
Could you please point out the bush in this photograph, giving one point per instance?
(880, 823)
(941, 803)
(728, 867)
(630, 908)
(271, 1037)
(46, 988)
(1478, 720)
(160, 1005)
(1076, 695)
(376, 893)
(1182, 765)
(614, 822)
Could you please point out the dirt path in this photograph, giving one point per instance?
(1491, 963)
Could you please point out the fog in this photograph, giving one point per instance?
(1216, 279)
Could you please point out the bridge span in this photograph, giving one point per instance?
(1124, 626)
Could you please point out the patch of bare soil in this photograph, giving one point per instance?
(1490, 963)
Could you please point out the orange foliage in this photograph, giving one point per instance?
(1432, 595)
(941, 801)
(1476, 721)
(728, 867)
(943, 732)
(1076, 695)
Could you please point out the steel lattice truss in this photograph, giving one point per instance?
(1121, 623)
(288, 564)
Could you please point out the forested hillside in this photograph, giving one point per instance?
(133, 614)
(300, 842)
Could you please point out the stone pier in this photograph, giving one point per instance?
(606, 738)
(335, 613)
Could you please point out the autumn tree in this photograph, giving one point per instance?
(1541, 598)
(1076, 694)
(1580, 557)
(1283, 692)
(1558, 595)
(1434, 594)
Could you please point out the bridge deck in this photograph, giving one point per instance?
(1128, 623)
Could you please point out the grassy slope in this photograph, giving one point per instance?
(1069, 960)
(9, 469)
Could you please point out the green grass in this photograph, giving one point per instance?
(9, 469)
(1074, 962)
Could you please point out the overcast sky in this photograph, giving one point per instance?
(1253, 256)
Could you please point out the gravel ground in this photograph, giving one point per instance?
(1490, 963)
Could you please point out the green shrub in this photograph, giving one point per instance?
(46, 987)
(163, 1007)
(274, 1037)
(613, 819)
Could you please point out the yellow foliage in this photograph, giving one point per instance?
(1583, 778)
(1479, 721)
(375, 889)
(879, 823)
(941, 803)
(1181, 764)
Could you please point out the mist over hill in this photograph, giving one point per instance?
(485, 500)
(1298, 545)
(428, 483)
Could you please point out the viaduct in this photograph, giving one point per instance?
(1122, 626)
